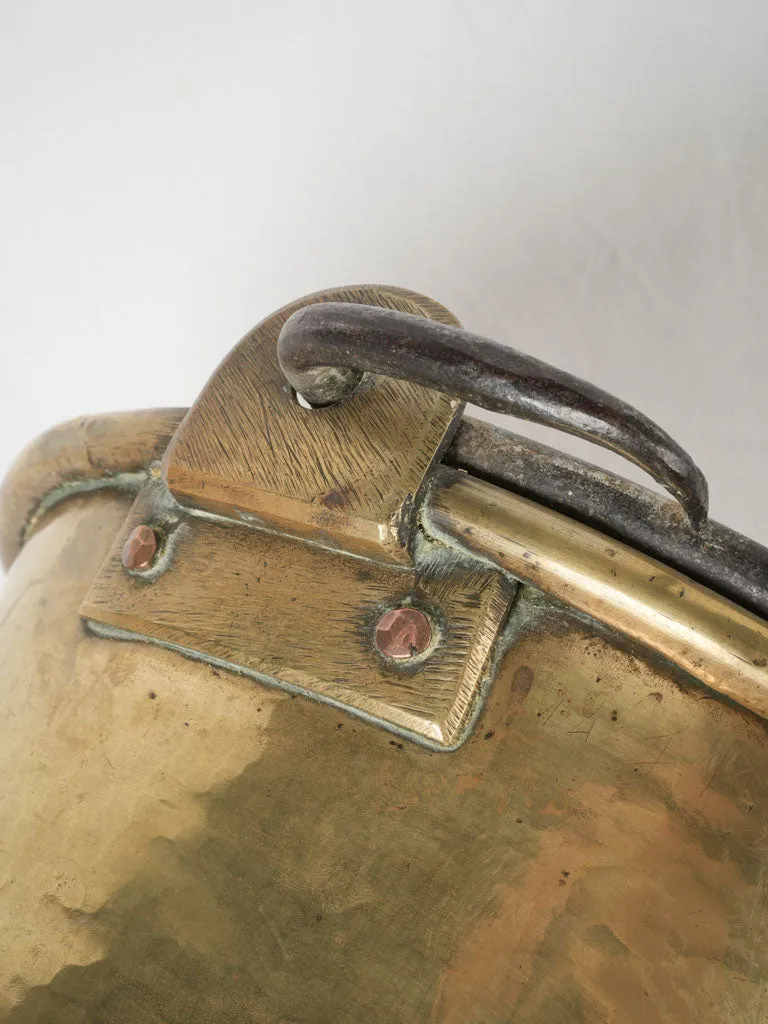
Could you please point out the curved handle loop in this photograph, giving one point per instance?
(324, 349)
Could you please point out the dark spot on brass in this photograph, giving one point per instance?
(658, 697)
(403, 633)
(140, 549)
(152, 695)
(333, 499)
(603, 938)
(614, 716)
(522, 681)
(489, 735)
(760, 662)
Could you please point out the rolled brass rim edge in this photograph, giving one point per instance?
(714, 640)
(84, 454)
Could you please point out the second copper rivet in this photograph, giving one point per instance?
(403, 633)
(140, 549)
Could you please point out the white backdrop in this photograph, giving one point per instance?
(585, 180)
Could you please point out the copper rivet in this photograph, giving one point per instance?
(140, 549)
(403, 633)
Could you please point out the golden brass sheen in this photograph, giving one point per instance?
(180, 843)
(576, 836)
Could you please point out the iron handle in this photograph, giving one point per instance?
(325, 348)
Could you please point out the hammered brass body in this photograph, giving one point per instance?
(180, 844)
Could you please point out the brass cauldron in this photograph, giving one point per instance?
(322, 704)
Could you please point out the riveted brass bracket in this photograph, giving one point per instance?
(286, 535)
(302, 617)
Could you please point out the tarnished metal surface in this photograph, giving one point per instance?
(722, 559)
(325, 348)
(183, 845)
